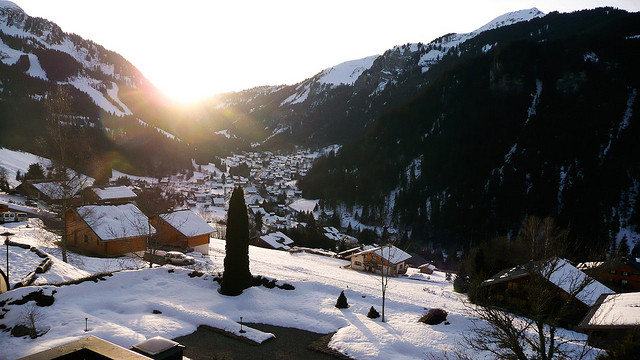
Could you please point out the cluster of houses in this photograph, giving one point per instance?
(115, 226)
(595, 307)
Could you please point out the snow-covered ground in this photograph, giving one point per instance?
(14, 161)
(121, 308)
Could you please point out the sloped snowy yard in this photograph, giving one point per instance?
(121, 307)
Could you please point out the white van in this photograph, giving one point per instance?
(21, 217)
(6, 217)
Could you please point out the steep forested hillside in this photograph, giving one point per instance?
(541, 123)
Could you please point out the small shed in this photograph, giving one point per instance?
(427, 268)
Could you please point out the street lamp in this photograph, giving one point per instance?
(6, 234)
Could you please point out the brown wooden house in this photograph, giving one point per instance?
(509, 288)
(108, 230)
(183, 230)
(622, 274)
(388, 258)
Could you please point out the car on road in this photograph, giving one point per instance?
(178, 258)
(31, 203)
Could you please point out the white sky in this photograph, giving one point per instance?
(194, 48)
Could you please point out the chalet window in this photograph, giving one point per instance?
(624, 283)
(625, 273)
(358, 263)
(612, 271)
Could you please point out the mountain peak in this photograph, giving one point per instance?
(511, 18)
(5, 4)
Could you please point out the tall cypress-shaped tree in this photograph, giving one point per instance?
(236, 276)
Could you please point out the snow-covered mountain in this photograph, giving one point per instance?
(104, 91)
(353, 93)
(92, 69)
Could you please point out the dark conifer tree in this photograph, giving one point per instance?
(342, 301)
(236, 276)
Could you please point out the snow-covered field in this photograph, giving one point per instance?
(121, 308)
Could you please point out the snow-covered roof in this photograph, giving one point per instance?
(187, 223)
(115, 192)
(111, 222)
(569, 278)
(277, 240)
(562, 274)
(55, 190)
(390, 253)
(615, 310)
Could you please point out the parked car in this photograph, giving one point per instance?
(31, 203)
(178, 258)
(6, 217)
(21, 216)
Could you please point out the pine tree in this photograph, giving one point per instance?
(373, 313)
(342, 301)
(236, 276)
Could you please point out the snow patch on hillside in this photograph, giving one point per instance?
(297, 97)
(14, 161)
(88, 86)
(348, 72)
(165, 133)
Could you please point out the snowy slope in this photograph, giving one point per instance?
(120, 308)
(14, 161)
(346, 73)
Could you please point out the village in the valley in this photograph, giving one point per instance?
(106, 233)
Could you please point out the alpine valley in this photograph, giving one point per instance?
(450, 142)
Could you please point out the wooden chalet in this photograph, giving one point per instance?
(108, 230)
(612, 318)
(622, 274)
(183, 230)
(388, 259)
(508, 288)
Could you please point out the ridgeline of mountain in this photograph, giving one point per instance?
(339, 103)
(536, 118)
(108, 97)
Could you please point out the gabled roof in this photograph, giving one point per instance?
(390, 253)
(114, 192)
(55, 190)
(187, 223)
(560, 273)
(277, 240)
(111, 222)
(614, 310)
